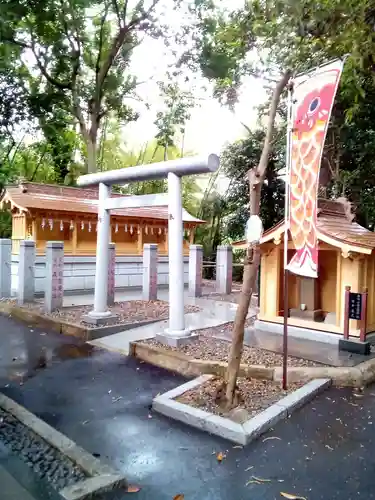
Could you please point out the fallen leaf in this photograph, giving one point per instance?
(133, 488)
(271, 437)
(220, 456)
(260, 480)
(114, 400)
(291, 497)
(179, 497)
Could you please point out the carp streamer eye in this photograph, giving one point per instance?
(314, 104)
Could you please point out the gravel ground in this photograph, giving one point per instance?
(45, 460)
(209, 348)
(256, 395)
(131, 311)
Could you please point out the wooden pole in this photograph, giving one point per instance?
(362, 335)
(286, 225)
(346, 313)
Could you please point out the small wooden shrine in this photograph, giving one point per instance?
(346, 258)
(44, 212)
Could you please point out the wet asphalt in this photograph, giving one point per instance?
(102, 401)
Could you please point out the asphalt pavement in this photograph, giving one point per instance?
(102, 400)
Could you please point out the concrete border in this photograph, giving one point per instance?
(100, 477)
(238, 433)
(178, 362)
(64, 327)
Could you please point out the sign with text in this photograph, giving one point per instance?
(355, 306)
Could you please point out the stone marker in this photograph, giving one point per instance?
(150, 272)
(195, 270)
(111, 274)
(54, 288)
(26, 272)
(224, 268)
(5, 268)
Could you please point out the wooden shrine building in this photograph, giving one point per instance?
(346, 258)
(44, 212)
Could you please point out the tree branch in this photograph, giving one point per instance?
(125, 10)
(102, 22)
(256, 176)
(117, 10)
(47, 76)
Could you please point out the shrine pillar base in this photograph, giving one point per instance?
(355, 346)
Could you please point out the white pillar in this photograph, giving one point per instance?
(150, 272)
(53, 281)
(224, 269)
(102, 256)
(5, 268)
(195, 270)
(26, 272)
(175, 257)
(111, 274)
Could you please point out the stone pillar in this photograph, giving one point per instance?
(111, 274)
(26, 272)
(175, 258)
(195, 270)
(5, 268)
(53, 288)
(100, 311)
(224, 267)
(150, 272)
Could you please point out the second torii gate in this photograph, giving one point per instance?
(172, 170)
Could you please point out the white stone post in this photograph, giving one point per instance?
(26, 272)
(176, 258)
(5, 268)
(111, 274)
(195, 270)
(224, 269)
(53, 283)
(150, 272)
(100, 310)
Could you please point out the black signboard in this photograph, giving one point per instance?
(355, 305)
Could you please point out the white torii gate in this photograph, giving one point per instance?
(173, 170)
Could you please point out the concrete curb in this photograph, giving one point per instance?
(226, 428)
(101, 477)
(355, 376)
(66, 328)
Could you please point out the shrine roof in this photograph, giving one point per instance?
(48, 197)
(335, 227)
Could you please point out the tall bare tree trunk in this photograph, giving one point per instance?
(91, 156)
(256, 177)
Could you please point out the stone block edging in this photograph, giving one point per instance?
(100, 477)
(238, 433)
(64, 327)
(356, 376)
